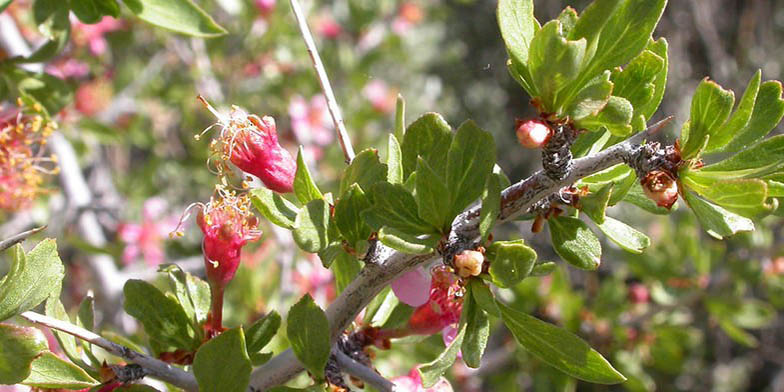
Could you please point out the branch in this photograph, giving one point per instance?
(362, 372)
(17, 238)
(154, 367)
(332, 104)
(390, 264)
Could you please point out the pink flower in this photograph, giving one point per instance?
(91, 35)
(413, 287)
(408, 15)
(380, 95)
(265, 7)
(310, 121)
(147, 238)
(93, 97)
(251, 144)
(327, 27)
(412, 382)
(70, 68)
(443, 307)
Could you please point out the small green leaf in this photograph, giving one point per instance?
(739, 119)
(592, 98)
(55, 309)
(19, 346)
(311, 226)
(407, 243)
(366, 169)
(345, 267)
(568, 18)
(86, 10)
(637, 197)
(274, 207)
(348, 215)
(768, 110)
(746, 197)
(553, 62)
(518, 26)
(304, 187)
(262, 331)
(394, 161)
(559, 348)
(491, 205)
(510, 262)
(616, 117)
(717, 221)
(164, 320)
(4, 4)
(658, 47)
(258, 359)
(222, 364)
(181, 16)
(575, 242)
(85, 318)
(710, 107)
(544, 268)
(380, 307)
(31, 279)
(593, 19)
(394, 207)
(49, 371)
(400, 119)
(429, 137)
(432, 371)
(476, 333)
(192, 293)
(637, 82)
(624, 235)
(595, 203)
(761, 159)
(308, 331)
(470, 162)
(430, 194)
(589, 143)
(44, 89)
(484, 297)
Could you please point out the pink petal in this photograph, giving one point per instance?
(129, 232)
(413, 287)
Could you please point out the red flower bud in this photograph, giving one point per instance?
(533, 133)
(638, 293)
(469, 263)
(660, 187)
(251, 144)
(442, 308)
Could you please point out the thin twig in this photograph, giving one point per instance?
(332, 103)
(154, 367)
(362, 372)
(17, 238)
(375, 276)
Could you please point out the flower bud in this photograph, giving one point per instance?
(660, 187)
(469, 263)
(533, 133)
(638, 293)
(251, 144)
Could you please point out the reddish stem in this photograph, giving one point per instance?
(216, 312)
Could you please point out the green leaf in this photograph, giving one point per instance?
(518, 26)
(394, 161)
(345, 268)
(274, 207)
(553, 62)
(86, 10)
(222, 364)
(637, 83)
(192, 293)
(181, 16)
(575, 242)
(429, 137)
(476, 333)
(593, 19)
(768, 110)
(43, 89)
(543, 268)
(400, 120)
(717, 221)
(568, 18)
(491, 205)
(258, 359)
(470, 162)
(366, 169)
(4, 4)
(739, 119)
(50, 16)
(624, 235)
(394, 207)
(31, 279)
(311, 225)
(432, 371)
(308, 331)
(559, 348)
(55, 309)
(19, 346)
(407, 243)
(85, 318)
(637, 197)
(510, 262)
(381, 307)
(430, 194)
(592, 98)
(261, 332)
(49, 371)
(745, 197)
(595, 203)
(658, 47)
(589, 143)
(761, 159)
(710, 107)
(304, 187)
(484, 297)
(348, 215)
(164, 320)
(616, 117)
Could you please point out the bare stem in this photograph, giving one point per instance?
(154, 367)
(332, 103)
(362, 372)
(17, 238)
